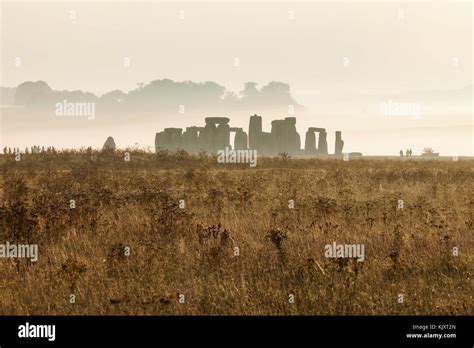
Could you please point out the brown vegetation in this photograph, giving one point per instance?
(135, 206)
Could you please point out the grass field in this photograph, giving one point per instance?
(173, 234)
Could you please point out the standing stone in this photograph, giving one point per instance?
(255, 133)
(339, 144)
(323, 143)
(222, 139)
(216, 134)
(173, 138)
(310, 142)
(294, 141)
(201, 141)
(207, 137)
(190, 140)
(159, 141)
(278, 133)
(240, 140)
(109, 145)
(285, 134)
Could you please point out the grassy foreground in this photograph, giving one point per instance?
(173, 234)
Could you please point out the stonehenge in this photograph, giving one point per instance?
(216, 135)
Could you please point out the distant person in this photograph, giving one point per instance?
(406, 153)
(401, 153)
(410, 152)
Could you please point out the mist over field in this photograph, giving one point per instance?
(443, 125)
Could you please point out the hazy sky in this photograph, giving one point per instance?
(385, 48)
(329, 52)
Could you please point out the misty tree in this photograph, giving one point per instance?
(163, 95)
(276, 92)
(250, 93)
(29, 92)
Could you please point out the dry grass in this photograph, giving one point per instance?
(190, 251)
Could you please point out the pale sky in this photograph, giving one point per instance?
(385, 48)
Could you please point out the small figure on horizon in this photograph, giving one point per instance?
(401, 153)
